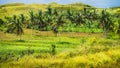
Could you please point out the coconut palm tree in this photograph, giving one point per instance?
(15, 26)
(79, 20)
(106, 21)
(32, 20)
(39, 19)
(59, 22)
(48, 18)
(70, 15)
(55, 12)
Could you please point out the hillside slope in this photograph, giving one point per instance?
(18, 8)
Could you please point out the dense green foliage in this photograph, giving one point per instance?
(74, 17)
(71, 20)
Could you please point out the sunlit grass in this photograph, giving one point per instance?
(81, 50)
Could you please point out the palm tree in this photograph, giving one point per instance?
(55, 12)
(39, 19)
(106, 20)
(48, 18)
(49, 11)
(79, 19)
(70, 15)
(15, 26)
(32, 19)
(59, 22)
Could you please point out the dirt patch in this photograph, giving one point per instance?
(3, 36)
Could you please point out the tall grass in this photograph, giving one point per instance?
(70, 52)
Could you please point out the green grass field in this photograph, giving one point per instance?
(83, 50)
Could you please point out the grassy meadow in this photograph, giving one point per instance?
(81, 50)
(73, 44)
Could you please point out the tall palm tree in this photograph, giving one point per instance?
(39, 19)
(106, 20)
(32, 19)
(70, 15)
(79, 20)
(59, 22)
(49, 11)
(48, 18)
(55, 12)
(15, 26)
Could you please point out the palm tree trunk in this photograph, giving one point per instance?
(20, 37)
(47, 31)
(32, 32)
(105, 34)
(1, 39)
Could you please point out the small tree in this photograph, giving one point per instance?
(53, 49)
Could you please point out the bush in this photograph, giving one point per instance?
(112, 35)
(53, 49)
